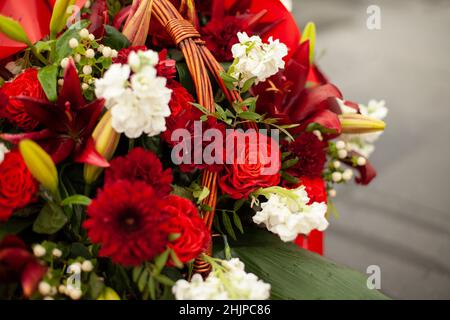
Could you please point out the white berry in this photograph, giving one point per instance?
(347, 175)
(39, 251)
(107, 52)
(340, 144)
(342, 154)
(87, 70)
(73, 43)
(90, 53)
(336, 176)
(44, 288)
(91, 37)
(332, 193)
(56, 253)
(87, 266)
(64, 63)
(361, 161)
(84, 33)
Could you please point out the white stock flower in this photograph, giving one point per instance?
(113, 84)
(3, 151)
(140, 104)
(229, 282)
(288, 218)
(364, 143)
(253, 58)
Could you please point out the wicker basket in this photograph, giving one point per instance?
(199, 61)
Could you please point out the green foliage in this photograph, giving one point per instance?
(115, 39)
(47, 77)
(62, 44)
(296, 273)
(50, 220)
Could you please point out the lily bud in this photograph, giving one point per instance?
(309, 34)
(40, 164)
(358, 123)
(13, 30)
(136, 28)
(108, 294)
(106, 141)
(59, 16)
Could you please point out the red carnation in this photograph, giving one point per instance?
(310, 152)
(17, 186)
(165, 67)
(254, 165)
(25, 84)
(180, 100)
(221, 34)
(194, 236)
(122, 55)
(127, 220)
(140, 165)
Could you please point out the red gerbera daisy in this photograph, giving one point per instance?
(141, 165)
(127, 220)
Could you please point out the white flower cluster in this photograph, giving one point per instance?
(255, 59)
(138, 104)
(288, 218)
(364, 143)
(231, 282)
(3, 151)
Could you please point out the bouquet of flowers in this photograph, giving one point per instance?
(156, 149)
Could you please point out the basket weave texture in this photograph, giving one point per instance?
(199, 61)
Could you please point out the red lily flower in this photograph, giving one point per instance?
(19, 264)
(35, 20)
(69, 122)
(290, 97)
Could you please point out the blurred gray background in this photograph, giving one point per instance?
(401, 222)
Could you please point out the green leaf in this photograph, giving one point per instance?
(43, 45)
(248, 115)
(47, 77)
(76, 199)
(13, 226)
(228, 226)
(160, 261)
(227, 78)
(136, 273)
(289, 163)
(164, 279)
(248, 84)
(182, 192)
(237, 222)
(115, 39)
(295, 273)
(96, 286)
(50, 220)
(286, 176)
(62, 44)
(143, 279)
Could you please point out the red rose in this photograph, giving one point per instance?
(17, 186)
(25, 84)
(140, 165)
(253, 164)
(194, 236)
